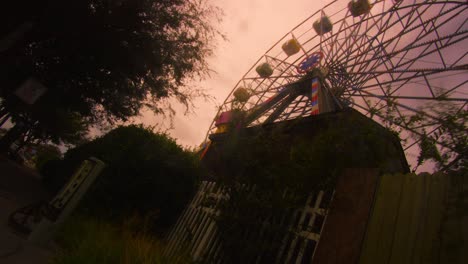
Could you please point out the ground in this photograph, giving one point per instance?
(19, 186)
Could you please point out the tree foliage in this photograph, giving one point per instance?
(439, 129)
(146, 173)
(45, 153)
(102, 60)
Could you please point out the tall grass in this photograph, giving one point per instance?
(85, 240)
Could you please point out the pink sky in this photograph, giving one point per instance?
(251, 26)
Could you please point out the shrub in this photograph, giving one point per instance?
(146, 173)
(88, 240)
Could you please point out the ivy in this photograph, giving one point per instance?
(267, 174)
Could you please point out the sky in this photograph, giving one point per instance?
(251, 27)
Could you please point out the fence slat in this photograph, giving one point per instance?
(418, 246)
(380, 230)
(431, 243)
(407, 220)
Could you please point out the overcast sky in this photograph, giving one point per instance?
(251, 26)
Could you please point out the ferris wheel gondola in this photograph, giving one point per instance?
(406, 56)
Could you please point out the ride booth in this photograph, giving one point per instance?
(296, 175)
(293, 191)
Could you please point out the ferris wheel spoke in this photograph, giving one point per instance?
(407, 49)
(337, 44)
(437, 45)
(348, 47)
(445, 96)
(295, 105)
(434, 28)
(408, 128)
(460, 58)
(275, 77)
(381, 88)
(429, 86)
(387, 25)
(380, 34)
(425, 52)
(382, 46)
(392, 93)
(281, 107)
(423, 113)
(276, 61)
(436, 127)
(388, 41)
(361, 50)
(385, 53)
(334, 39)
(428, 70)
(402, 117)
(409, 16)
(419, 98)
(413, 46)
(353, 29)
(400, 61)
(419, 72)
(418, 140)
(362, 77)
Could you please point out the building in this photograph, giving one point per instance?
(360, 148)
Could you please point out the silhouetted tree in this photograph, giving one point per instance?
(101, 60)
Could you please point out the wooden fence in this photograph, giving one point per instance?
(418, 219)
(196, 229)
(399, 218)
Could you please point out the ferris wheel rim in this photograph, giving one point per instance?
(405, 75)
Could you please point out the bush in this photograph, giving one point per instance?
(146, 173)
(46, 153)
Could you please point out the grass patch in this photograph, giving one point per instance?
(88, 240)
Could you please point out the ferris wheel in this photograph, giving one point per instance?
(409, 56)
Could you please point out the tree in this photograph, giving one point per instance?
(102, 61)
(438, 128)
(146, 173)
(45, 153)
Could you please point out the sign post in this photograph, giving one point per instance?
(58, 210)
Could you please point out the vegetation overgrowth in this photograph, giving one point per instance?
(439, 129)
(146, 173)
(85, 239)
(269, 174)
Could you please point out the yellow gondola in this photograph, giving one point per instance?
(291, 47)
(323, 25)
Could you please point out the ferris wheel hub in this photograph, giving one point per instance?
(380, 55)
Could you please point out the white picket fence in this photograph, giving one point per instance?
(196, 231)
